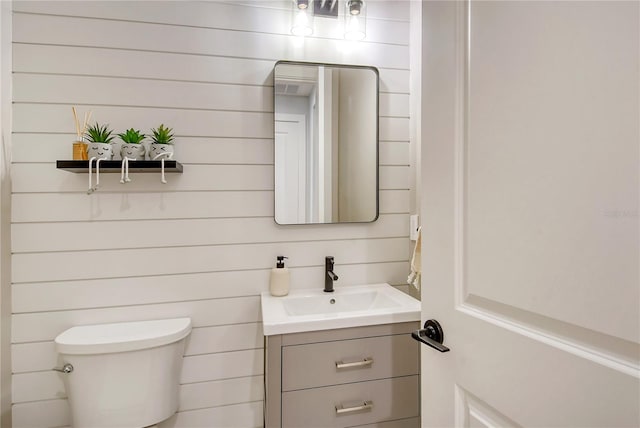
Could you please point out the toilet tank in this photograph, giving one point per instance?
(124, 374)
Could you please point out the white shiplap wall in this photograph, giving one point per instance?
(202, 245)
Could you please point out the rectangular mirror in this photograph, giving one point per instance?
(326, 143)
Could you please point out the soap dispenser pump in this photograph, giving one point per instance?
(279, 282)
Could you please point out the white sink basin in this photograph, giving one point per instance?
(347, 302)
(354, 306)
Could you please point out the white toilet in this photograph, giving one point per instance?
(124, 374)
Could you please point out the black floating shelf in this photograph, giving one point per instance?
(79, 166)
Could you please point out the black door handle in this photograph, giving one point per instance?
(431, 335)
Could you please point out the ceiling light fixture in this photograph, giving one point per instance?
(304, 11)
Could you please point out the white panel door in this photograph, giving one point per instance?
(290, 156)
(530, 184)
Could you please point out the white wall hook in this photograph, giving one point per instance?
(163, 156)
(124, 174)
(98, 173)
(90, 191)
(124, 163)
(91, 187)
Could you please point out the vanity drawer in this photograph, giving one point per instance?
(356, 360)
(344, 405)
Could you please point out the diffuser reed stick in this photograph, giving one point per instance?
(87, 118)
(80, 131)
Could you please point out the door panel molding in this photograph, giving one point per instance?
(471, 411)
(584, 343)
(461, 139)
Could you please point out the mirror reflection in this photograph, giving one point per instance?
(326, 143)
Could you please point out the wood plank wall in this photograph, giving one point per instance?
(201, 245)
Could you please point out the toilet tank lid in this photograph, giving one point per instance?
(122, 337)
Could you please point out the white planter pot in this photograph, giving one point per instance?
(155, 149)
(99, 151)
(132, 151)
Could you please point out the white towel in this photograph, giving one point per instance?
(416, 269)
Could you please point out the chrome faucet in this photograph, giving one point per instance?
(329, 276)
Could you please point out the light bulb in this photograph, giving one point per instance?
(301, 22)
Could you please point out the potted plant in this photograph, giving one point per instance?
(132, 146)
(161, 142)
(99, 138)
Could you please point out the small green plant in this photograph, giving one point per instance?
(162, 135)
(132, 136)
(99, 134)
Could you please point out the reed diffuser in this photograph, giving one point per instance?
(79, 146)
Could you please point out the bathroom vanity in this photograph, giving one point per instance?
(356, 372)
(343, 378)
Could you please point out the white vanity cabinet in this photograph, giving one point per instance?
(361, 376)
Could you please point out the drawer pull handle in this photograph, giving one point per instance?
(367, 405)
(364, 363)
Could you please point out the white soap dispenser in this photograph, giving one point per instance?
(279, 281)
